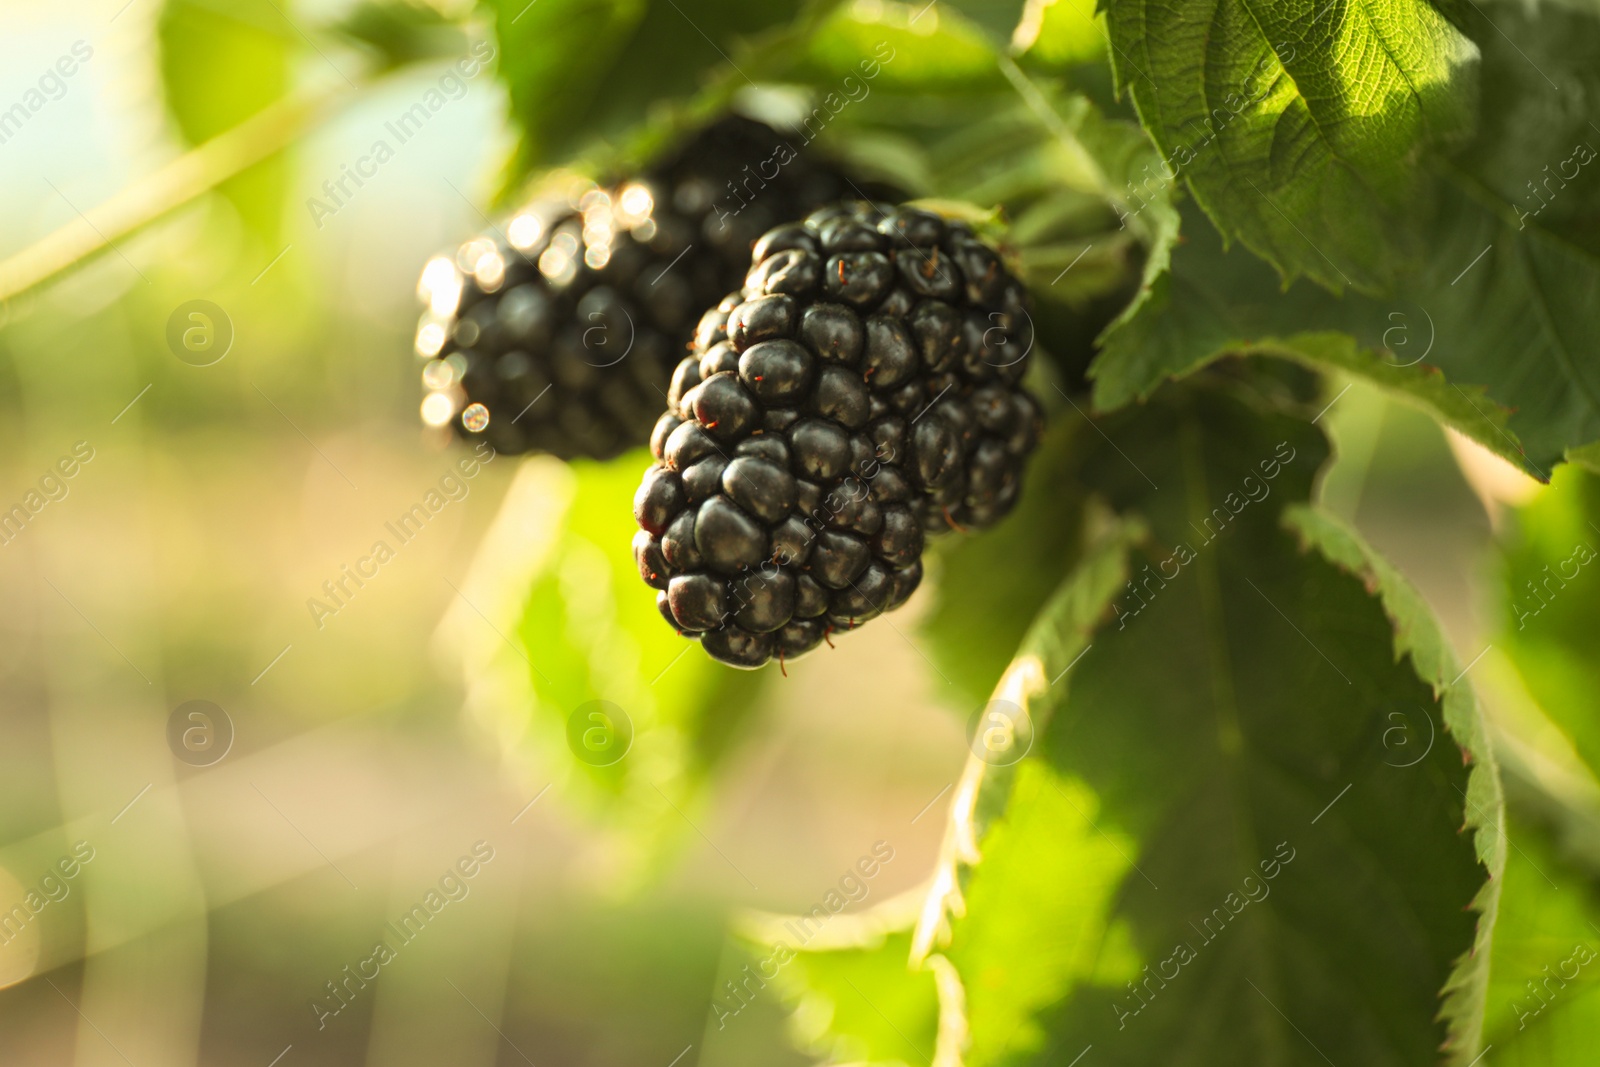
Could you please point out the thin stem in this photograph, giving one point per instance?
(1064, 134)
(191, 175)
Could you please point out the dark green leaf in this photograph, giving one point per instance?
(1214, 304)
(996, 18)
(1253, 721)
(583, 72)
(402, 31)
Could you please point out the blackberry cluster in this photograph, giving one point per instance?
(861, 391)
(559, 334)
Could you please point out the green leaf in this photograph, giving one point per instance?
(220, 66)
(1501, 302)
(1062, 35)
(925, 57)
(1297, 125)
(554, 57)
(1236, 774)
(552, 619)
(1004, 575)
(1551, 586)
(998, 19)
(855, 1002)
(585, 72)
(402, 31)
(1538, 103)
(1419, 637)
(1515, 313)
(1544, 996)
(1213, 304)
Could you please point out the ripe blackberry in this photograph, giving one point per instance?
(560, 334)
(860, 390)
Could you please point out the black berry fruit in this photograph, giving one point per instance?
(559, 333)
(861, 390)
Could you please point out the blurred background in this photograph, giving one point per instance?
(243, 864)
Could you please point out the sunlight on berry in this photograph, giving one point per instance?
(524, 231)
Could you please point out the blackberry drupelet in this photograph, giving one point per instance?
(860, 390)
(560, 334)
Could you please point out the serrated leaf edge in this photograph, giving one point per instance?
(1463, 994)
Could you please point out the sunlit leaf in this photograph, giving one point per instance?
(572, 669)
(1297, 125)
(219, 66)
(1499, 301)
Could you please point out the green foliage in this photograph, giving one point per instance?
(1005, 576)
(996, 18)
(585, 632)
(1068, 35)
(1215, 303)
(861, 1003)
(1544, 993)
(220, 64)
(399, 32)
(1551, 629)
(1260, 819)
(1543, 1005)
(588, 71)
(1246, 830)
(949, 117)
(1296, 124)
(1499, 301)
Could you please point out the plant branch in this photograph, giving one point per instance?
(147, 200)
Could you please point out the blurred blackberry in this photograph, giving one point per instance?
(861, 390)
(559, 333)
